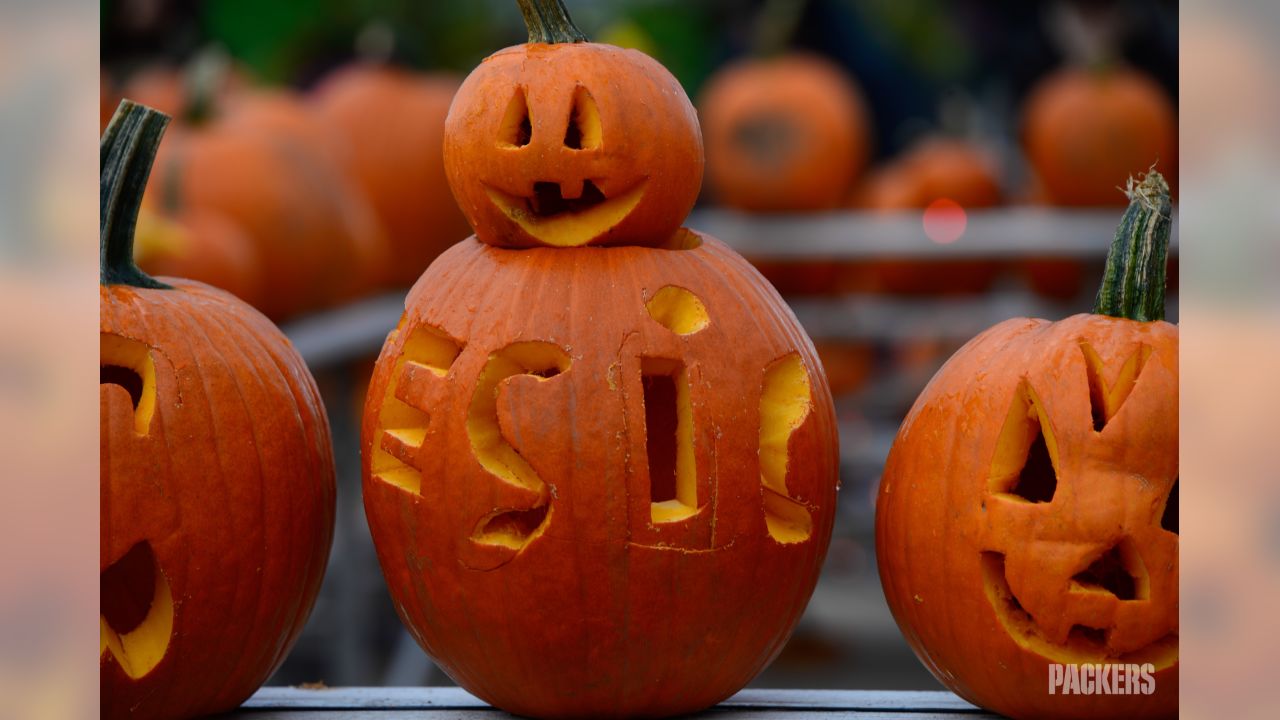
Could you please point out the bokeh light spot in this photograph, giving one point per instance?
(944, 221)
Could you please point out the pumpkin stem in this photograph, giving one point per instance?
(549, 22)
(127, 150)
(1134, 279)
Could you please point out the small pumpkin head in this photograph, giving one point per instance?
(216, 472)
(1027, 514)
(563, 143)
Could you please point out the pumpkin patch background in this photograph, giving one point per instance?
(937, 200)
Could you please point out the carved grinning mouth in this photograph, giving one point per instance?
(136, 615)
(555, 220)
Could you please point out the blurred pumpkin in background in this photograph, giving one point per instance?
(284, 114)
(190, 91)
(785, 134)
(1086, 131)
(933, 169)
(392, 123)
(203, 246)
(956, 175)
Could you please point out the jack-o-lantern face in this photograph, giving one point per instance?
(588, 470)
(1027, 514)
(572, 144)
(217, 477)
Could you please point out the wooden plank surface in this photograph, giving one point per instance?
(439, 702)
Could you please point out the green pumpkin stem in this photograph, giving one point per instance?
(1134, 279)
(127, 150)
(549, 22)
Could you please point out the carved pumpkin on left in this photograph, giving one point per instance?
(217, 476)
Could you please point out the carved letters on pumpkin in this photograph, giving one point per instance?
(419, 383)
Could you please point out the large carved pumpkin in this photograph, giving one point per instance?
(1025, 514)
(601, 481)
(217, 474)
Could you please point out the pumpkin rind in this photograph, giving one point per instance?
(568, 589)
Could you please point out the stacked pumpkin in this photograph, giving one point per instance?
(295, 203)
(582, 504)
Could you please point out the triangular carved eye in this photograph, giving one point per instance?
(1023, 464)
(1169, 518)
(1106, 398)
(583, 131)
(517, 126)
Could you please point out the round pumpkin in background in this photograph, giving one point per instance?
(783, 134)
(217, 474)
(1087, 131)
(391, 123)
(584, 506)
(933, 169)
(202, 246)
(286, 116)
(294, 204)
(936, 175)
(1027, 515)
(577, 144)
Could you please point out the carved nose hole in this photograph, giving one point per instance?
(125, 377)
(517, 126)
(583, 131)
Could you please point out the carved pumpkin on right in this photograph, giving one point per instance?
(1026, 524)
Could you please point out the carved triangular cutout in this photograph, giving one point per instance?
(583, 131)
(1169, 518)
(1105, 398)
(517, 127)
(1111, 572)
(1023, 462)
(1037, 482)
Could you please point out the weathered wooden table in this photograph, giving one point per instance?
(452, 702)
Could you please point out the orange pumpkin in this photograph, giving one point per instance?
(391, 123)
(936, 170)
(1086, 131)
(217, 475)
(572, 144)
(785, 134)
(583, 505)
(201, 246)
(295, 205)
(1025, 517)
(283, 114)
(176, 92)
